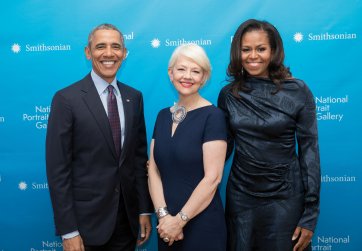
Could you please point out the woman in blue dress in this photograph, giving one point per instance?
(272, 195)
(187, 155)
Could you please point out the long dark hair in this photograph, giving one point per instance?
(277, 71)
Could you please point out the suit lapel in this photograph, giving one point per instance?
(94, 103)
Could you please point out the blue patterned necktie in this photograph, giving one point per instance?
(113, 117)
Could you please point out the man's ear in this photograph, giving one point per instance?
(87, 52)
(125, 53)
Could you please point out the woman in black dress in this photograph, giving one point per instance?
(272, 200)
(187, 157)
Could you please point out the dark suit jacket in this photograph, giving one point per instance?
(84, 175)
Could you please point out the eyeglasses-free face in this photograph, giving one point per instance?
(186, 76)
(256, 53)
(106, 53)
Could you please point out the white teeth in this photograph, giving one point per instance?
(186, 84)
(108, 62)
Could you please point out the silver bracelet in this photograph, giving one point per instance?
(184, 216)
(161, 212)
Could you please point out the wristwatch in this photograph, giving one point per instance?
(161, 212)
(183, 216)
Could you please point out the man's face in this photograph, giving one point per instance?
(106, 52)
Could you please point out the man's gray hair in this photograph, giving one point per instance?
(104, 27)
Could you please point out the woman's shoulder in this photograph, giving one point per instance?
(165, 109)
(215, 122)
(213, 111)
(300, 86)
(163, 112)
(225, 94)
(298, 83)
(226, 89)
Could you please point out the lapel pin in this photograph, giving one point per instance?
(128, 100)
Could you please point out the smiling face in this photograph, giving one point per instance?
(256, 53)
(106, 51)
(186, 76)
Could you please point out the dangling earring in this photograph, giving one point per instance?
(242, 71)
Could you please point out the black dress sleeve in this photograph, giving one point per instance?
(308, 153)
(221, 103)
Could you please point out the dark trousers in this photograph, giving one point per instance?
(122, 238)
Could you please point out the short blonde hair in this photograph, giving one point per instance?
(194, 52)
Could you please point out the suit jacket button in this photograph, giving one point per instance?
(116, 190)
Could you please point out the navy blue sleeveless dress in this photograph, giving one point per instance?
(179, 159)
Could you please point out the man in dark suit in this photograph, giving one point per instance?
(96, 153)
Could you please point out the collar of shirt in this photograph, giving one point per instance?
(101, 84)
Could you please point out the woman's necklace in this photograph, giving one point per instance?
(178, 113)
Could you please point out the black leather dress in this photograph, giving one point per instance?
(274, 180)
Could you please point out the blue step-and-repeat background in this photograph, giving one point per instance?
(42, 50)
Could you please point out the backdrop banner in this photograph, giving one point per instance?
(42, 50)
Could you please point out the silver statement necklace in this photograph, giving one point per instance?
(179, 113)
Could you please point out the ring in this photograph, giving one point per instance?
(166, 239)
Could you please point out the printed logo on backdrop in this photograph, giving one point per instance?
(23, 186)
(39, 117)
(128, 36)
(58, 246)
(2, 119)
(300, 37)
(48, 246)
(338, 179)
(156, 43)
(326, 105)
(42, 47)
(329, 243)
(16, 48)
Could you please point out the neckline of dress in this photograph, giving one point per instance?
(177, 126)
(260, 79)
(198, 108)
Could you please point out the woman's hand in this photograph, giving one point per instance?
(171, 227)
(305, 237)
